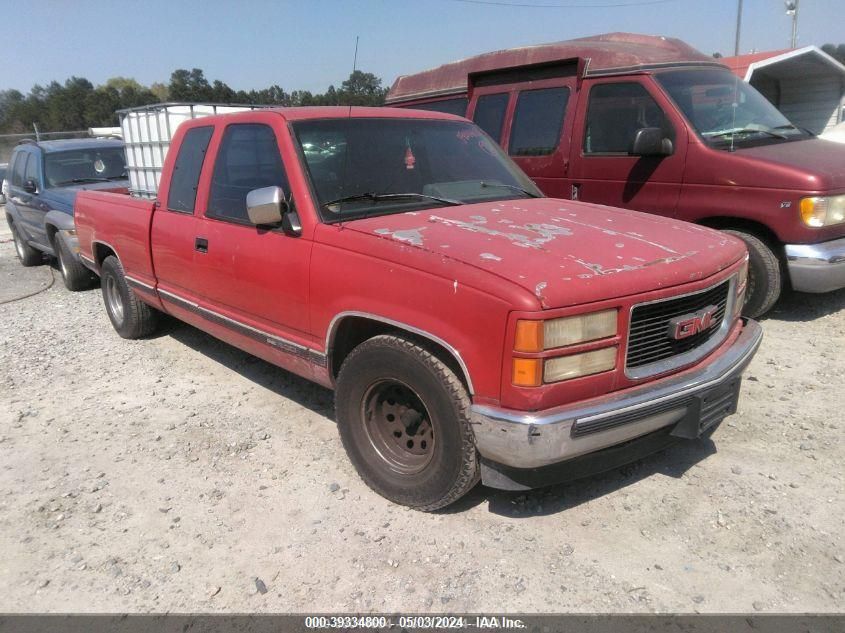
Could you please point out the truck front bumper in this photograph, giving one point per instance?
(817, 267)
(692, 402)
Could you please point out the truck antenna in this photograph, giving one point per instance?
(37, 134)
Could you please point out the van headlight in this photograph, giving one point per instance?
(820, 211)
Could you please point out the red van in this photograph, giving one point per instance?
(651, 124)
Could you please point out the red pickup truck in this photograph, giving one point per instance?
(471, 327)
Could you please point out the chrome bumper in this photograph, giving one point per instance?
(532, 440)
(817, 267)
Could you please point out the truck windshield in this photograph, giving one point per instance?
(726, 111)
(363, 167)
(78, 166)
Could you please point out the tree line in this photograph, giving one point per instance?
(78, 104)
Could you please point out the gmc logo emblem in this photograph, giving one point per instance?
(690, 324)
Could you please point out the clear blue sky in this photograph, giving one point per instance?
(309, 44)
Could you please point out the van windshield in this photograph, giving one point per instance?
(727, 112)
(363, 167)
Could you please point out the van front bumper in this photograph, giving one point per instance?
(816, 267)
(693, 402)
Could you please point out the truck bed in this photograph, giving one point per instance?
(119, 224)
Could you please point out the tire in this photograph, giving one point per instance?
(74, 274)
(424, 456)
(131, 317)
(27, 255)
(765, 277)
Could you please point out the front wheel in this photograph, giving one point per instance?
(403, 418)
(765, 279)
(131, 317)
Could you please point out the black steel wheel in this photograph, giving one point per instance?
(403, 417)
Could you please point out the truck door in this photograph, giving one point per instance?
(175, 223)
(255, 277)
(604, 170)
(529, 111)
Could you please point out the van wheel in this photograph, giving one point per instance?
(74, 274)
(131, 317)
(403, 418)
(765, 279)
(29, 256)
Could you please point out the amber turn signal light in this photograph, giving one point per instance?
(527, 372)
(529, 336)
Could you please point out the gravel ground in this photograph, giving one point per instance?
(180, 474)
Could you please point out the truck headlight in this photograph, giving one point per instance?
(537, 336)
(577, 365)
(823, 210)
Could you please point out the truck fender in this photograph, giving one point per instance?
(409, 329)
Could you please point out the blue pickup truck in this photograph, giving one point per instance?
(43, 179)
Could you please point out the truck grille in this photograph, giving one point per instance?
(648, 338)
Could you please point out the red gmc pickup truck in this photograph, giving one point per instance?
(470, 327)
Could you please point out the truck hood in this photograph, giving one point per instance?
(563, 252)
(62, 198)
(821, 160)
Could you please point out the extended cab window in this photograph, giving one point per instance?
(248, 159)
(186, 171)
(490, 114)
(447, 106)
(537, 121)
(615, 113)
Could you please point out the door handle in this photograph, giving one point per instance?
(201, 244)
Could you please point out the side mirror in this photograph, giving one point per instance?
(649, 141)
(266, 206)
(30, 187)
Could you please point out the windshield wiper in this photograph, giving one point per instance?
(378, 197)
(79, 180)
(746, 130)
(514, 187)
(121, 177)
(789, 126)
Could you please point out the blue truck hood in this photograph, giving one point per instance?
(62, 198)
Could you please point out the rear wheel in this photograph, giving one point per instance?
(74, 274)
(765, 278)
(403, 417)
(131, 317)
(26, 254)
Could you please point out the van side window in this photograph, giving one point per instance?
(490, 114)
(447, 106)
(248, 159)
(186, 171)
(20, 166)
(615, 112)
(537, 121)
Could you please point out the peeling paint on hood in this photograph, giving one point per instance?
(560, 251)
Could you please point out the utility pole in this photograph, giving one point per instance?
(738, 25)
(792, 10)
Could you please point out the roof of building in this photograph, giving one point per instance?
(610, 53)
(798, 61)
